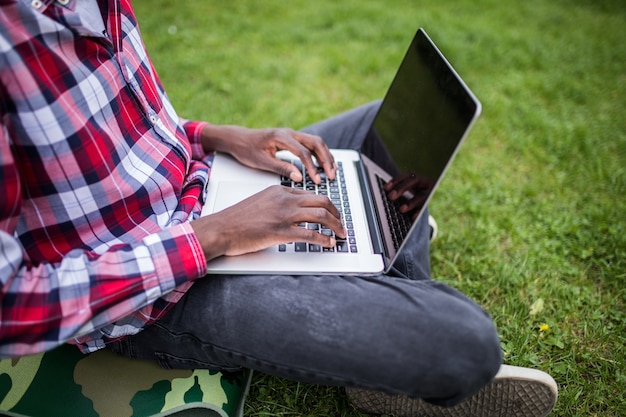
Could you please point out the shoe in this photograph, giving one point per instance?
(514, 392)
(433, 228)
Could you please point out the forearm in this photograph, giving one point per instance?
(206, 137)
(224, 138)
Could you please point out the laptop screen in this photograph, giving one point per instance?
(424, 117)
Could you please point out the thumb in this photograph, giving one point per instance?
(285, 169)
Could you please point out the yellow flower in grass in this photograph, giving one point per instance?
(544, 327)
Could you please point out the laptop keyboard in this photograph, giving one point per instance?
(336, 191)
(399, 223)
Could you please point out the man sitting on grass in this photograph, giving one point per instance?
(102, 243)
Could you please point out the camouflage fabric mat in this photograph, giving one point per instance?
(66, 383)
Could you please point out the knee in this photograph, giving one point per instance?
(466, 357)
(452, 357)
(474, 359)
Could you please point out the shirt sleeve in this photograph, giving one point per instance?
(193, 129)
(44, 305)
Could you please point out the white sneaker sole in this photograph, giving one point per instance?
(514, 392)
(434, 229)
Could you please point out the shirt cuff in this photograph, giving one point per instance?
(177, 255)
(193, 129)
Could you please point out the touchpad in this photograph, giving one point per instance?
(231, 192)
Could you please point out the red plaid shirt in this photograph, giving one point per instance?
(99, 179)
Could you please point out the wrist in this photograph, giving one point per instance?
(221, 138)
(213, 244)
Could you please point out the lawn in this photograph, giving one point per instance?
(532, 213)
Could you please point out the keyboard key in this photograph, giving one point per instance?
(342, 246)
(314, 248)
(300, 246)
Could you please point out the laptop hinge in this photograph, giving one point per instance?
(370, 208)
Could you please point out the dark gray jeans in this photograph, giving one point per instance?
(401, 333)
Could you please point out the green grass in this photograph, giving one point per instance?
(531, 214)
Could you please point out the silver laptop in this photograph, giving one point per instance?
(425, 115)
